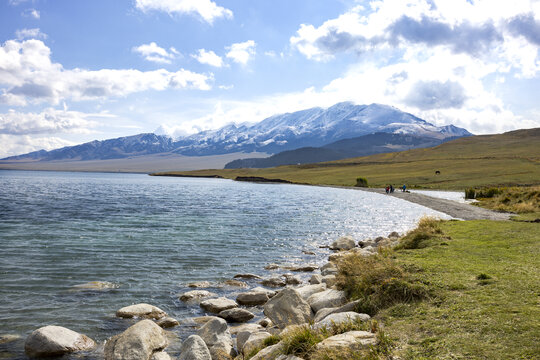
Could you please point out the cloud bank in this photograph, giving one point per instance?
(205, 9)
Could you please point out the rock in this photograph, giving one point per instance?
(379, 238)
(287, 308)
(202, 319)
(352, 340)
(245, 327)
(161, 355)
(341, 318)
(145, 311)
(291, 329)
(367, 251)
(235, 283)
(7, 338)
(329, 280)
(274, 282)
(271, 267)
(167, 322)
(218, 305)
(194, 348)
(200, 284)
(254, 341)
(321, 314)
(252, 298)
(393, 234)
(327, 299)
(217, 337)
(246, 276)
(288, 357)
(343, 243)
(308, 290)
(290, 279)
(329, 269)
(236, 315)
(335, 257)
(241, 339)
(315, 279)
(95, 286)
(269, 353)
(266, 322)
(55, 341)
(268, 292)
(139, 341)
(195, 295)
(302, 268)
(367, 242)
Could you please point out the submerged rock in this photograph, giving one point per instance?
(95, 286)
(142, 310)
(195, 295)
(200, 284)
(139, 341)
(290, 279)
(55, 341)
(235, 283)
(246, 276)
(218, 305)
(236, 315)
(302, 268)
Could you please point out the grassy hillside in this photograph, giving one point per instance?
(512, 158)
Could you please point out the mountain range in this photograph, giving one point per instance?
(313, 128)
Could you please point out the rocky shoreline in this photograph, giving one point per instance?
(236, 325)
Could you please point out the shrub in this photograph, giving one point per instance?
(361, 182)
(378, 282)
(428, 228)
(271, 340)
(470, 194)
(301, 342)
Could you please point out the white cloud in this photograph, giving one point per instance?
(27, 74)
(152, 52)
(208, 57)
(15, 145)
(208, 10)
(29, 34)
(33, 13)
(46, 122)
(242, 52)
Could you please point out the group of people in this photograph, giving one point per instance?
(390, 189)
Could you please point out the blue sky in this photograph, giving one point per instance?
(75, 71)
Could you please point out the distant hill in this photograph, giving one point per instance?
(347, 148)
(512, 158)
(314, 127)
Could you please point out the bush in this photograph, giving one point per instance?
(428, 228)
(361, 182)
(470, 194)
(378, 282)
(301, 342)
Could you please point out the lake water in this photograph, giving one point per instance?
(152, 235)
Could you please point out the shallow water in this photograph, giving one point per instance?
(152, 235)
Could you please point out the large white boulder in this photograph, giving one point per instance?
(139, 342)
(352, 340)
(55, 341)
(288, 308)
(341, 318)
(194, 348)
(145, 311)
(217, 338)
(327, 299)
(321, 314)
(308, 290)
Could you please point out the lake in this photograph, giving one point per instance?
(150, 236)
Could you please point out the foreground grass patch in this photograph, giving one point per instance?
(487, 303)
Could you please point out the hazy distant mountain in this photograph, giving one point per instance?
(359, 146)
(307, 128)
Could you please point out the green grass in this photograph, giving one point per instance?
(487, 295)
(488, 160)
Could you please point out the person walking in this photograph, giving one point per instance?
(404, 188)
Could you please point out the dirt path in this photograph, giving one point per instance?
(452, 208)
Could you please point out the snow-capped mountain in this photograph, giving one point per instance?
(307, 128)
(313, 127)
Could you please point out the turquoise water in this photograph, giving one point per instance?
(152, 235)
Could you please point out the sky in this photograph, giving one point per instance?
(77, 71)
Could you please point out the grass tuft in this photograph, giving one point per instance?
(428, 228)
